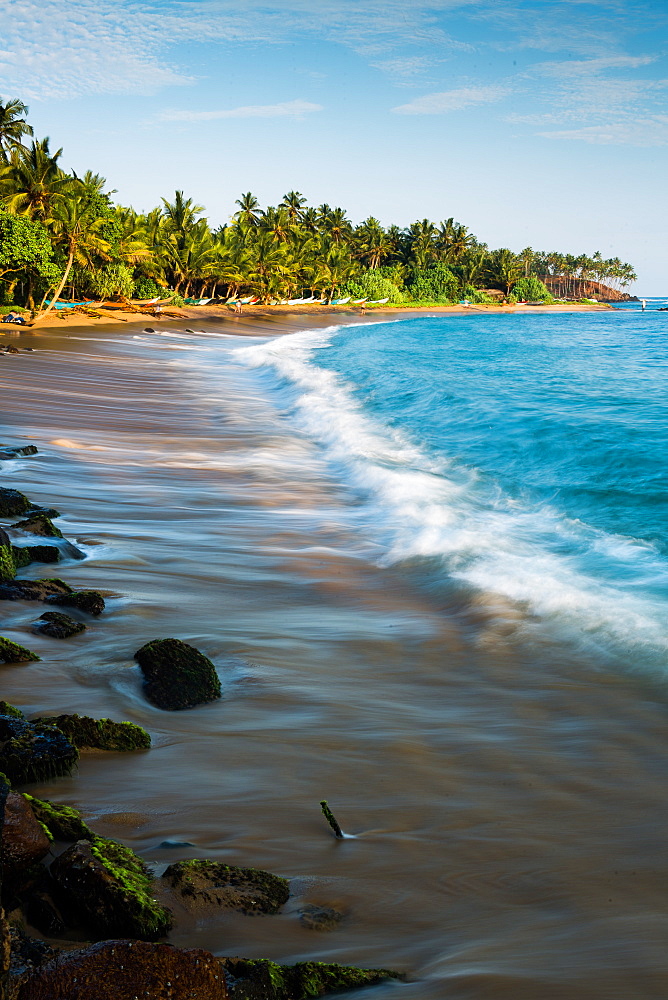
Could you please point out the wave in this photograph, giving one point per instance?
(423, 508)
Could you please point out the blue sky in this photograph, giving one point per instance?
(539, 124)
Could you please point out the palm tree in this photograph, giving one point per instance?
(373, 246)
(32, 182)
(13, 127)
(248, 209)
(293, 201)
(181, 214)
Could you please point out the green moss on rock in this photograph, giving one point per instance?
(208, 883)
(39, 553)
(90, 601)
(21, 557)
(11, 710)
(62, 822)
(110, 890)
(33, 590)
(11, 652)
(57, 625)
(264, 980)
(13, 503)
(177, 675)
(7, 560)
(39, 524)
(100, 734)
(31, 752)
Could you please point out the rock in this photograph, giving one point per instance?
(99, 734)
(39, 524)
(24, 840)
(43, 511)
(34, 590)
(12, 350)
(7, 709)
(57, 625)
(11, 652)
(12, 503)
(38, 553)
(62, 822)
(319, 918)
(33, 752)
(109, 890)
(264, 980)
(90, 601)
(128, 970)
(177, 675)
(149, 329)
(27, 954)
(21, 557)
(207, 883)
(11, 451)
(7, 560)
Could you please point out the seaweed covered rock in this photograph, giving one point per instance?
(57, 625)
(61, 822)
(36, 553)
(208, 883)
(7, 709)
(39, 524)
(11, 652)
(177, 675)
(36, 511)
(108, 889)
(34, 590)
(128, 970)
(90, 601)
(24, 840)
(99, 734)
(264, 980)
(319, 918)
(13, 503)
(32, 752)
(8, 564)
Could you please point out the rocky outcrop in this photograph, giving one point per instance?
(107, 889)
(34, 590)
(90, 601)
(11, 652)
(264, 980)
(57, 625)
(61, 822)
(39, 524)
(209, 884)
(99, 734)
(24, 840)
(13, 503)
(128, 970)
(9, 451)
(32, 752)
(564, 287)
(177, 675)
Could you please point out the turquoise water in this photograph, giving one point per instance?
(522, 456)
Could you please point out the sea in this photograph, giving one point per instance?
(429, 556)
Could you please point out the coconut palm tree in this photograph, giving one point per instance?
(249, 209)
(293, 202)
(32, 182)
(13, 127)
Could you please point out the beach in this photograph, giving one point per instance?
(504, 803)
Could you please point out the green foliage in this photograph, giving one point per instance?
(373, 285)
(177, 300)
(23, 244)
(530, 289)
(147, 288)
(106, 281)
(433, 284)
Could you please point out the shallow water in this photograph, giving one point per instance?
(500, 763)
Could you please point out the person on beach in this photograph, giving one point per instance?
(238, 308)
(644, 303)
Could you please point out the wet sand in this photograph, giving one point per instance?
(507, 795)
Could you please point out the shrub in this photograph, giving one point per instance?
(372, 285)
(530, 289)
(433, 284)
(147, 288)
(104, 282)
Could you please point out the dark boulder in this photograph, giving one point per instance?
(7, 709)
(7, 561)
(39, 524)
(108, 890)
(264, 980)
(57, 625)
(37, 553)
(9, 451)
(32, 752)
(209, 884)
(177, 675)
(24, 840)
(34, 590)
(13, 503)
(26, 955)
(62, 822)
(35, 510)
(12, 350)
(90, 601)
(11, 652)
(128, 970)
(319, 918)
(99, 734)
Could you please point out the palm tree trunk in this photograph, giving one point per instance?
(56, 296)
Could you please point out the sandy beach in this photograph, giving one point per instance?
(449, 746)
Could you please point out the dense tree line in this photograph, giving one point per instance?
(62, 235)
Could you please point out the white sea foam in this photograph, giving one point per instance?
(418, 507)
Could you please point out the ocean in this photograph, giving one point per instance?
(428, 556)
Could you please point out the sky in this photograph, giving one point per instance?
(539, 123)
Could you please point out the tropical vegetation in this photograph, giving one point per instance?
(62, 235)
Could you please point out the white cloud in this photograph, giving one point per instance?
(640, 132)
(288, 109)
(453, 100)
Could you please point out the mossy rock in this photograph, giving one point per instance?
(176, 675)
(39, 524)
(13, 503)
(34, 590)
(208, 883)
(21, 556)
(320, 918)
(7, 560)
(38, 553)
(11, 710)
(62, 822)
(109, 890)
(99, 734)
(264, 980)
(57, 625)
(11, 652)
(33, 752)
(90, 601)
(37, 511)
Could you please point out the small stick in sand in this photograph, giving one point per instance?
(331, 819)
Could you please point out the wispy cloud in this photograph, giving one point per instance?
(639, 132)
(288, 109)
(453, 100)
